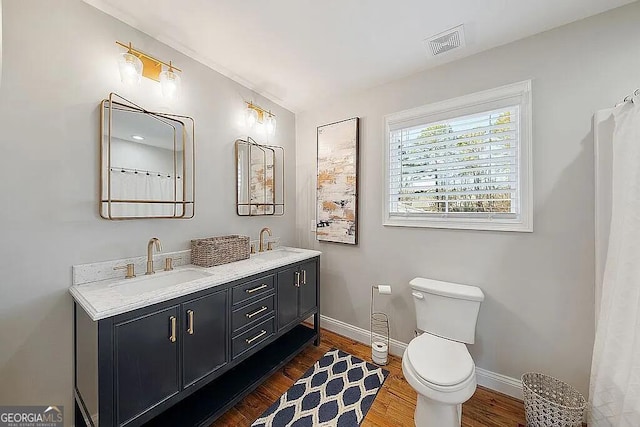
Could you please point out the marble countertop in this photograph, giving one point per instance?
(110, 297)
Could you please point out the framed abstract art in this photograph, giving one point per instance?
(337, 182)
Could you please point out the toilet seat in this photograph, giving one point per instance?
(440, 364)
(453, 395)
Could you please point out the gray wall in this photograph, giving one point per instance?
(59, 62)
(538, 312)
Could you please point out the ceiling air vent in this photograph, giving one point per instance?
(446, 41)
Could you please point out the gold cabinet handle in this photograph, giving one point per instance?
(190, 322)
(260, 335)
(172, 337)
(304, 277)
(255, 313)
(297, 283)
(250, 291)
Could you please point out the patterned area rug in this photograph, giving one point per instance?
(337, 391)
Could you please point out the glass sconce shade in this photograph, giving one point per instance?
(270, 124)
(251, 117)
(130, 67)
(169, 84)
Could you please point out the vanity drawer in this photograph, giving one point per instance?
(252, 289)
(252, 313)
(252, 337)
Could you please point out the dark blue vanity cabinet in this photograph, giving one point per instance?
(297, 293)
(204, 332)
(308, 289)
(287, 296)
(146, 363)
(185, 361)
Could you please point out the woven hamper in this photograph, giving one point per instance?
(219, 250)
(549, 402)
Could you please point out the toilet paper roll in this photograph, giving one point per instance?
(379, 360)
(379, 352)
(379, 347)
(384, 289)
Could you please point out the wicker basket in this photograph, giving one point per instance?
(219, 250)
(549, 402)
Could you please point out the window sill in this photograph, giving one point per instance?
(461, 224)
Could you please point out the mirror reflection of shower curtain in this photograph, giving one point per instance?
(142, 186)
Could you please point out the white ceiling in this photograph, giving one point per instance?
(297, 52)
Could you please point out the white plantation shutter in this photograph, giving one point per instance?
(462, 167)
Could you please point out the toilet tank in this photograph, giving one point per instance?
(445, 309)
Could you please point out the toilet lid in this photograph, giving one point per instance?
(440, 361)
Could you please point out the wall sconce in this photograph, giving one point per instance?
(256, 114)
(134, 64)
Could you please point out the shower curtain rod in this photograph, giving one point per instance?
(116, 168)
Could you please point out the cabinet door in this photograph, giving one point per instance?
(204, 332)
(308, 288)
(146, 365)
(287, 296)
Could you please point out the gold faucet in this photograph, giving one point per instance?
(153, 241)
(261, 249)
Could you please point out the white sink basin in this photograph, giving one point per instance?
(275, 254)
(154, 282)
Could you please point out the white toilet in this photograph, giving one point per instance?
(437, 363)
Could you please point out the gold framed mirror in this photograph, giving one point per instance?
(147, 162)
(260, 178)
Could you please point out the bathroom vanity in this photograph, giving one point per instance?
(181, 347)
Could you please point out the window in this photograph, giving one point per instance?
(462, 163)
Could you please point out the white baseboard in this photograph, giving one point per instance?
(494, 381)
(361, 335)
(501, 383)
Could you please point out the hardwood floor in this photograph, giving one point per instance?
(394, 405)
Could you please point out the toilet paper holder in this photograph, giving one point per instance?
(379, 327)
